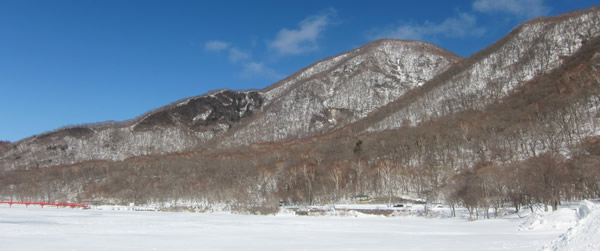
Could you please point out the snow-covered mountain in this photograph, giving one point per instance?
(534, 48)
(385, 84)
(518, 122)
(342, 89)
(176, 127)
(315, 100)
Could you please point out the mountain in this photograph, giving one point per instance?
(516, 123)
(532, 49)
(315, 100)
(342, 89)
(175, 127)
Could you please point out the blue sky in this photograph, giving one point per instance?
(74, 62)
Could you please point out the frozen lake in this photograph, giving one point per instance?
(36, 228)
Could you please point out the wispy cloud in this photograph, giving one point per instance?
(260, 70)
(237, 55)
(216, 45)
(303, 39)
(462, 25)
(520, 8)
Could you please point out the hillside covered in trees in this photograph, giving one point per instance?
(515, 124)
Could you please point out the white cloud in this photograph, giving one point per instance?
(260, 70)
(250, 69)
(520, 8)
(304, 39)
(236, 55)
(463, 25)
(216, 45)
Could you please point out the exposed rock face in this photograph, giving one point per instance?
(202, 114)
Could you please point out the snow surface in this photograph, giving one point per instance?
(585, 235)
(36, 228)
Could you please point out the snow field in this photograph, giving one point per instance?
(103, 228)
(585, 235)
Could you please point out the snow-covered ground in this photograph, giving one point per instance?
(36, 228)
(585, 235)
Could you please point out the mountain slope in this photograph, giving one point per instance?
(175, 127)
(515, 123)
(342, 89)
(315, 100)
(533, 48)
(474, 158)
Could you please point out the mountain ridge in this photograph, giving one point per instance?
(323, 85)
(517, 123)
(179, 126)
(323, 97)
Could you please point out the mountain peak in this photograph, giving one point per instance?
(343, 88)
